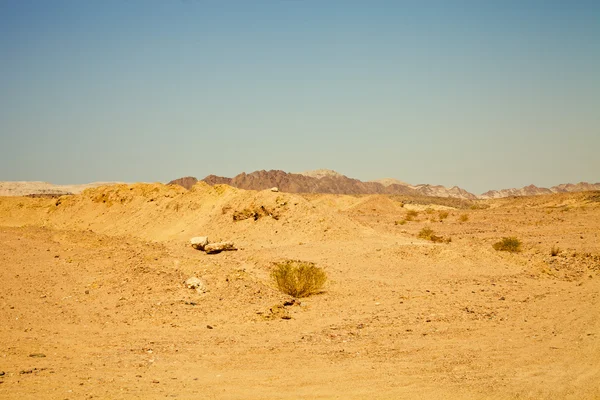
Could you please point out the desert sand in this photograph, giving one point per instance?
(93, 303)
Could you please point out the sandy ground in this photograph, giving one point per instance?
(94, 283)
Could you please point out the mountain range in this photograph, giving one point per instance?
(329, 181)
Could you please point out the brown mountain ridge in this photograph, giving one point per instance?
(331, 182)
(322, 181)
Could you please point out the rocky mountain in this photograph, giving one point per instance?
(533, 190)
(442, 191)
(390, 181)
(187, 182)
(577, 187)
(530, 190)
(321, 173)
(300, 183)
(327, 181)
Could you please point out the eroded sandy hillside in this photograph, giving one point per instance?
(93, 282)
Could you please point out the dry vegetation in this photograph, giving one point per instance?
(411, 215)
(298, 278)
(510, 244)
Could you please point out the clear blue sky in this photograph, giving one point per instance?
(480, 94)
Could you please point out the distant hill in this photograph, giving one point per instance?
(317, 181)
(533, 190)
(321, 173)
(187, 182)
(29, 188)
(327, 181)
(390, 181)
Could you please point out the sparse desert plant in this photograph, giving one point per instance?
(554, 251)
(463, 218)
(298, 278)
(510, 244)
(479, 206)
(429, 210)
(428, 234)
(410, 215)
(425, 233)
(400, 222)
(443, 215)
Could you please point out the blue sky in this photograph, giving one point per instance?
(480, 94)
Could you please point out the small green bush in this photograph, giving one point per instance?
(510, 244)
(298, 278)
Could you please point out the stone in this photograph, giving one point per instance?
(274, 189)
(199, 242)
(214, 248)
(195, 283)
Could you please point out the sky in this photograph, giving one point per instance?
(480, 94)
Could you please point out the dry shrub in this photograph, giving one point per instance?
(443, 215)
(428, 234)
(425, 233)
(401, 222)
(298, 278)
(429, 210)
(463, 218)
(510, 244)
(410, 215)
(554, 251)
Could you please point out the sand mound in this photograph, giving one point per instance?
(377, 205)
(169, 212)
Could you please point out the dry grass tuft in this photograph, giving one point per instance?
(298, 278)
(425, 233)
(443, 215)
(401, 222)
(463, 218)
(428, 234)
(510, 244)
(554, 251)
(410, 215)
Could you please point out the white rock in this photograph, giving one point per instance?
(219, 247)
(274, 189)
(199, 242)
(195, 283)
